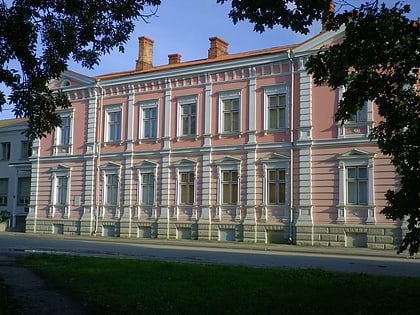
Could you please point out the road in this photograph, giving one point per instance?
(343, 260)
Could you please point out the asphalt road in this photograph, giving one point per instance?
(259, 256)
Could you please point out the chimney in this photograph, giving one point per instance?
(328, 15)
(174, 58)
(218, 47)
(145, 60)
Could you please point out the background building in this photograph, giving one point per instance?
(15, 172)
(240, 147)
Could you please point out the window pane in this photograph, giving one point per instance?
(272, 193)
(362, 172)
(234, 199)
(273, 118)
(281, 118)
(363, 193)
(351, 172)
(351, 192)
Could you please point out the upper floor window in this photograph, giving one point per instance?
(63, 133)
(113, 123)
(4, 191)
(360, 116)
(230, 112)
(148, 119)
(24, 190)
(187, 116)
(5, 151)
(26, 149)
(276, 107)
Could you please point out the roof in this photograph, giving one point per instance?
(13, 122)
(228, 57)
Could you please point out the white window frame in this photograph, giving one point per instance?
(146, 105)
(111, 109)
(182, 101)
(60, 171)
(227, 164)
(150, 168)
(353, 159)
(281, 89)
(226, 96)
(4, 194)
(20, 195)
(181, 167)
(146, 167)
(356, 123)
(6, 148)
(275, 162)
(66, 147)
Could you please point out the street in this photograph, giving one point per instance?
(219, 253)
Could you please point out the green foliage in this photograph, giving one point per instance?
(38, 37)
(297, 15)
(378, 60)
(126, 286)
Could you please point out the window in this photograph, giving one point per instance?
(276, 186)
(357, 185)
(4, 189)
(355, 180)
(64, 131)
(148, 120)
(60, 186)
(187, 187)
(24, 190)
(5, 151)
(276, 107)
(276, 173)
(26, 149)
(146, 174)
(277, 111)
(229, 112)
(360, 116)
(148, 188)
(187, 116)
(111, 189)
(113, 119)
(61, 190)
(230, 187)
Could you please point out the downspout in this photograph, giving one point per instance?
(98, 153)
(290, 56)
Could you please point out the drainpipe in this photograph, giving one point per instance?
(290, 56)
(98, 153)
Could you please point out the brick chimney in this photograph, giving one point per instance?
(218, 47)
(328, 15)
(145, 60)
(174, 58)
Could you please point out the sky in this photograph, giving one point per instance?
(185, 26)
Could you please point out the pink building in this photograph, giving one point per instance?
(240, 147)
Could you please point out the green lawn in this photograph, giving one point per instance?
(123, 286)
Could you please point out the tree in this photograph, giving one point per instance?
(377, 60)
(38, 37)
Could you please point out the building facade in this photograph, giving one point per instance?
(15, 173)
(240, 147)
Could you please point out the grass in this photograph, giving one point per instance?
(123, 286)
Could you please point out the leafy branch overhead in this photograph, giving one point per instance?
(38, 38)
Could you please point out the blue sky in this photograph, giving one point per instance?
(184, 27)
